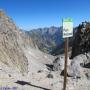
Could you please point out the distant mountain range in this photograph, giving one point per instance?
(46, 38)
(49, 40)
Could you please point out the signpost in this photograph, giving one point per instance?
(67, 32)
(67, 28)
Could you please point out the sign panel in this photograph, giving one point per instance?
(67, 27)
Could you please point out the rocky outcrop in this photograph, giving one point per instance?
(11, 52)
(78, 67)
(58, 63)
(81, 42)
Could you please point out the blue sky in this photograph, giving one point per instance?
(29, 14)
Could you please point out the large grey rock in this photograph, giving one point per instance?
(88, 75)
(58, 64)
(76, 68)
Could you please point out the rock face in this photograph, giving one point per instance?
(58, 64)
(11, 52)
(78, 67)
(81, 42)
(75, 70)
(17, 49)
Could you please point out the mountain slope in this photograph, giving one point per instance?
(17, 49)
(11, 53)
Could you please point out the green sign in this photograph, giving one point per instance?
(67, 20)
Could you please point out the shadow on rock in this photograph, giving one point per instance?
(28, 83)
(87, 65)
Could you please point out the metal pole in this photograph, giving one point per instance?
(65, 64)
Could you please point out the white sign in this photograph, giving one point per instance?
(67, 27)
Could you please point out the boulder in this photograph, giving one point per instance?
(88, 76)
(50, 76)
(58, 64)
(76, 67)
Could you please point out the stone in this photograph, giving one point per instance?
(58, 64)
(50, 76)
(87, 75)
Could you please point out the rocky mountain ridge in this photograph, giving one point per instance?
(81, 42)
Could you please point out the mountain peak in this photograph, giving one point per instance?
(6, 21)
(2, 14)
(85, 24)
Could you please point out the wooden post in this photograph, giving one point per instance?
(65, 64)
(67, 32)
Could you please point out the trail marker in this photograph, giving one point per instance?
(67, 27)
(67, 32)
